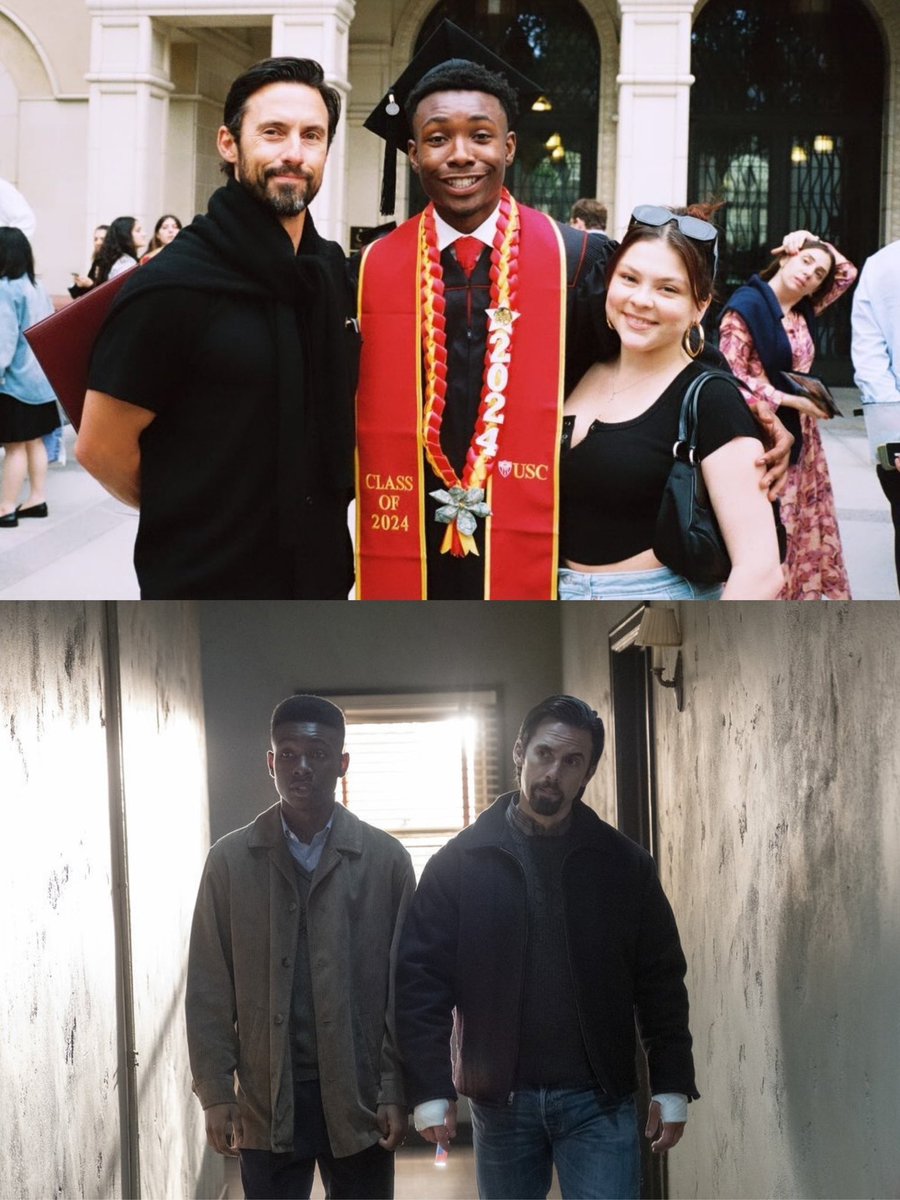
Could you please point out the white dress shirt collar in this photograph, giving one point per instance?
(447, 235)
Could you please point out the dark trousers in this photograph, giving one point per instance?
(368, 1175)
(890, 485)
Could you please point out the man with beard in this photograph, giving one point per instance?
(546, 932)
(221, 386)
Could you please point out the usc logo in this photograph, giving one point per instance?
(523, 470)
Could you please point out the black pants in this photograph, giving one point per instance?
(368, 1175)
(890, 485)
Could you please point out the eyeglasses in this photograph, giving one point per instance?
(694, 228)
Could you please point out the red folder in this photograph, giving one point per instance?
(63, 342)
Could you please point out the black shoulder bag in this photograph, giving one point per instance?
(687, 538)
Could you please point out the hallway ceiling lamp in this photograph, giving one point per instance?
(659, 629)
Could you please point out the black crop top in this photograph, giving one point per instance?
(612, 482)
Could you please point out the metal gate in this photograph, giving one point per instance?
(786, 117)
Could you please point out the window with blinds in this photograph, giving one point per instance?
(422, 766)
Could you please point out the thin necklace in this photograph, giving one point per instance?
(617, 391)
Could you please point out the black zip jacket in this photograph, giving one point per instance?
(463, 948)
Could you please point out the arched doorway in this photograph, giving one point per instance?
(553, 43)
(786, 117)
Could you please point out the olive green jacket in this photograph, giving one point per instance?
(240, 977)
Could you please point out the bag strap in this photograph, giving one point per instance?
(687, 420)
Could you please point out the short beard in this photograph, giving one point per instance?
(547, 806)
(285, 200)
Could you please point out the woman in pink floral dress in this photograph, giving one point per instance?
(767, 327)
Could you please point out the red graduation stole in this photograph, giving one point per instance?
(392, 501)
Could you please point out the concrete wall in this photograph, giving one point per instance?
(58, 1030)
(65, 957)
(256, 654)
(780, 833)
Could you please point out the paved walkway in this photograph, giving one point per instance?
(863, 513)
(83, 551)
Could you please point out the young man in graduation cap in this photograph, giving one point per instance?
(476, 321)
(464, 314)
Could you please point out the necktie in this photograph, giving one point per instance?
(468, 251)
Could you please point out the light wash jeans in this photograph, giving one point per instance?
(591, 1140)
(657, 584)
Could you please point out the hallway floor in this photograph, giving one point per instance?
(416, 1176)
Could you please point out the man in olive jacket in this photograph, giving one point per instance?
(290, 979)
(545, 932)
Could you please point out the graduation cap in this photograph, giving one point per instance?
(448, 43)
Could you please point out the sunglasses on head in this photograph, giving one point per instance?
(692, 227)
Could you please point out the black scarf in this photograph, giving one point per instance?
(239, 247)
(756, 303)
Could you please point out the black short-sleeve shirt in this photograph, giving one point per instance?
(612, 482)
(204, 362)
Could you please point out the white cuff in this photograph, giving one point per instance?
(430, 1112)
(673, 1105)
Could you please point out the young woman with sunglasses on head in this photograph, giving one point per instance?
(768, 327)
(621, 421)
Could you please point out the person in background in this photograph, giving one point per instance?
(544, 936)
(876, 362)
(165, 231)
(588, 214)
(121, 248)
(28, 408)
(768, 327)
(83, 283)
(290, 992)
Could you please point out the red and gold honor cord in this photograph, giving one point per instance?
(463, 501)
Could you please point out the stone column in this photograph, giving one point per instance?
(320, 29)
(128, 97)
(654, 84)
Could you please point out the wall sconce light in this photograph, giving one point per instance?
(798, 156)
(823, 144)
(659, 628)
(542, 104)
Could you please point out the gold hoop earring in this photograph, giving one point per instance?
(609, 324)
(686, 340)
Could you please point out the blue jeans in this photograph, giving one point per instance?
(591, 1140)
(657, 584)
(53, 443)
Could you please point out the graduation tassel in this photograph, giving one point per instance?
(389, 170)
(389, 179)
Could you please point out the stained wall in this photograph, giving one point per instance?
(65, 961)
(779, 821)
(58, 1024)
